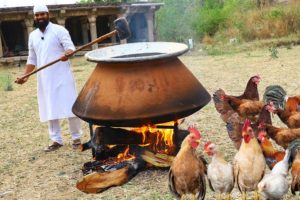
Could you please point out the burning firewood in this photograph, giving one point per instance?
(158, 159)
(115, 175)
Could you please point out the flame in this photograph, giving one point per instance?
(161, 139)
(125, 155)
(158, 138)
(110, 146)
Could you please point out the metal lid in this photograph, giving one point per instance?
(140, 51)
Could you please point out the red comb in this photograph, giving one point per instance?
(261, 125)
(195, 131)
(207, 144)
(247, 123)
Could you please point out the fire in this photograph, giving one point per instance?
(159, 138)
(153, 138)
(125, 155)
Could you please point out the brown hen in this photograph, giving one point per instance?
(187, 172)
(282, 136)
(288, 117)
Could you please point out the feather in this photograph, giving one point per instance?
(172, 185)
(202, 190)
(276, 94)
(293, 148)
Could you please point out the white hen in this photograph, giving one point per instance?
(219, 172)
(275, 185)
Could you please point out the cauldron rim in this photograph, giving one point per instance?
(151, 51)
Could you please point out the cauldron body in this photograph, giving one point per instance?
(143, 85)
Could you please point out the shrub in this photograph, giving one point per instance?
(6, 82)
(174, 20)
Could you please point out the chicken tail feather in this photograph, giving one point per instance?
(293, 150)
(217, 98)
(202, 190)
(171, 185)
(295, 186)
(234, 130)
(276, 94)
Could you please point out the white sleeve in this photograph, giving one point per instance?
(65, 40)
(31, 53)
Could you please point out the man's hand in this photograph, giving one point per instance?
(28, 68)
(66, 56)
(21, 81)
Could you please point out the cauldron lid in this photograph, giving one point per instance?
(132, 52)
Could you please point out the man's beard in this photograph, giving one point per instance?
(41, 24)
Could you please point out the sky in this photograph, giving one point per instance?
(18, 3)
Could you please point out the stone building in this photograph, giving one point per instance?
(85, 23)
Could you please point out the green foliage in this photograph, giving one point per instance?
(6, 82)
(103, 1)
(174, 20)
(215, 15)
(274, 52)
(275, 13)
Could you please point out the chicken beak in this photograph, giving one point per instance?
(198, 141)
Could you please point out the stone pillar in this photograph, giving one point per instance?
(61, 18)
(112, 28)
(30, 28)
(85, 30)
(93, 30)
(1, 49)
(61, 21)
(150, 24)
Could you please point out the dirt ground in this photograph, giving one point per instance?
(28, 173)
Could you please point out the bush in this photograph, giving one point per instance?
(6, 82)
(222, 20)
(174, 20)
(216, 15)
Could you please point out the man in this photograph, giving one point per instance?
(56, 85)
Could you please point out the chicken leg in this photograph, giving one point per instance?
(219, 196)
(193, 197)
(182, 197)
(256, 195)
(243, 195)
(228, 196)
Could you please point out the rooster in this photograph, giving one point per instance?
(275, 185)
(288, 117)
(279, 96)
(272, 155)
(249, 162)
(219, 172)
(294, 148)
(282, 136)
(187, 172)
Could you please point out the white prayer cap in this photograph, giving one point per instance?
(40, 9)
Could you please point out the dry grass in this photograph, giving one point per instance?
(28, 173)
(270, 22)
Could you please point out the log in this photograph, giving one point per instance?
(114, 176)
(157, 159)
(109, 135)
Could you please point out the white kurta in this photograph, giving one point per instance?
(56, 85)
